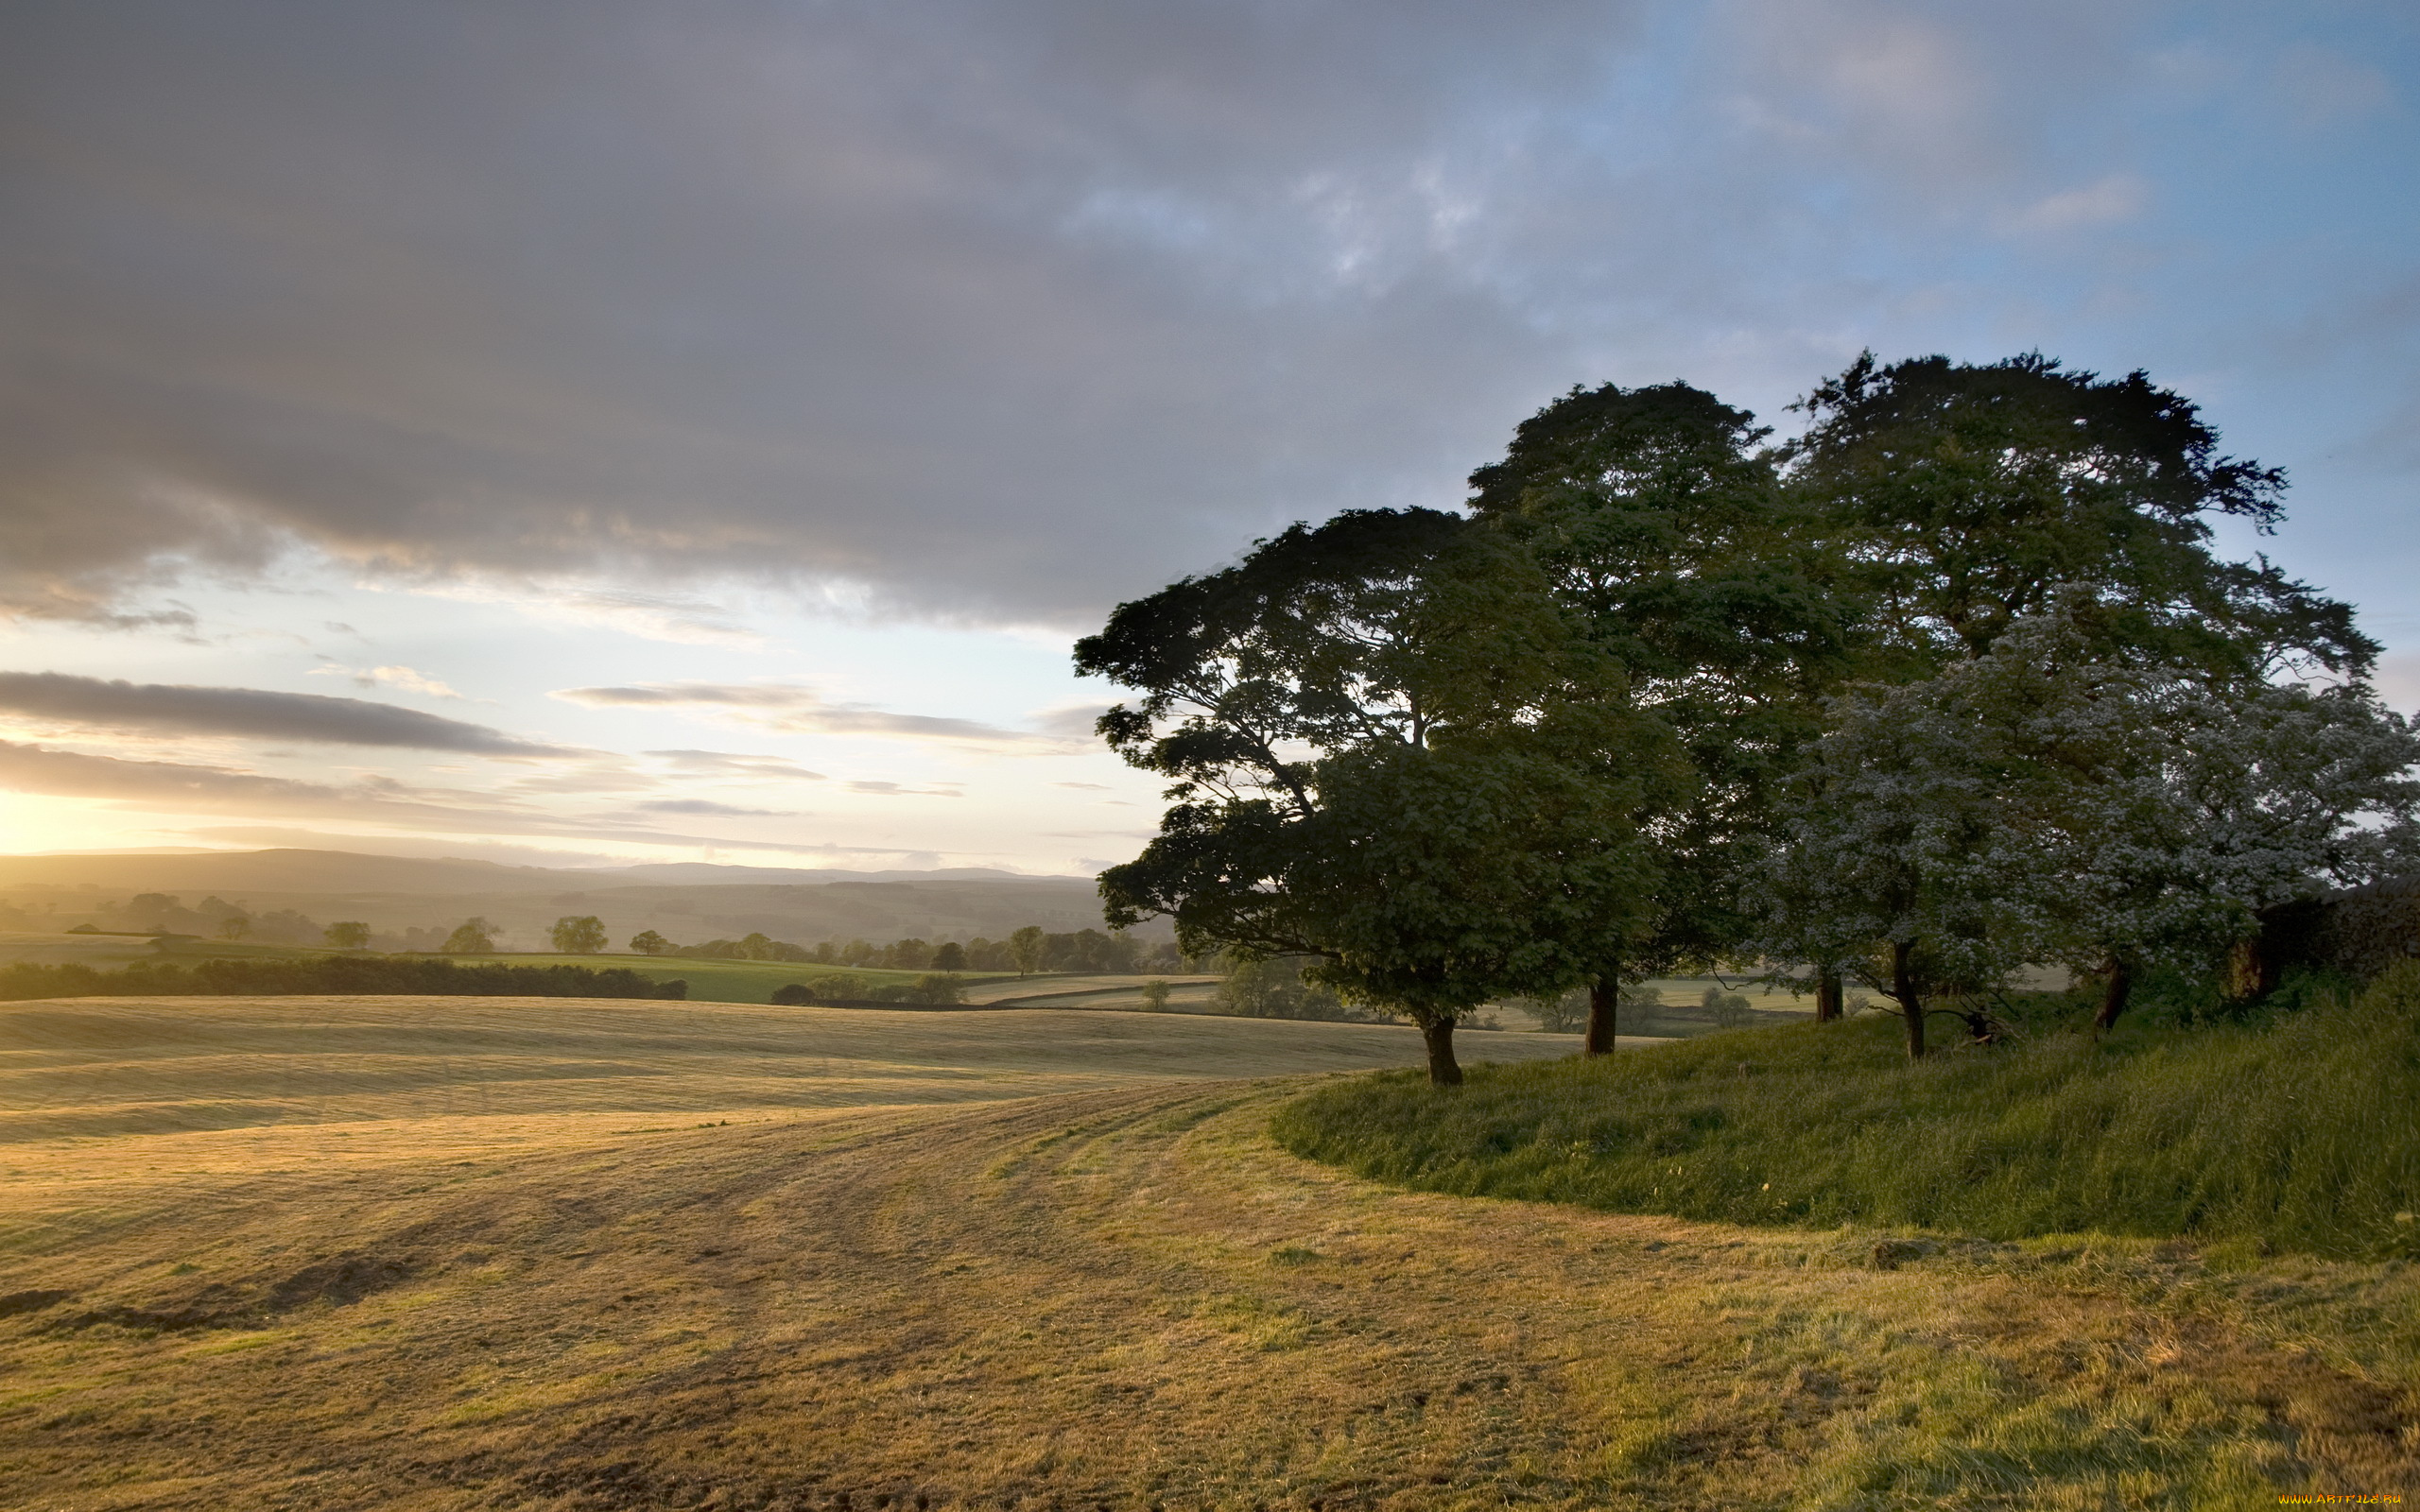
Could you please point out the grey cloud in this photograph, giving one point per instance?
(975, 309)
(445, 846)
(1073, 722)
(880, 789)
(601, 776)
(907, 298)
(921, 298)
(657, 616)
(736, 765)
(262, 834)
(73, 774)
(705, 806)
(178, 709)
(780, 706)
(185, 787)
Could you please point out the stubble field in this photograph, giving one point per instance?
(457, 1253)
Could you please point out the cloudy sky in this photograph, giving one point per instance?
(596, 431)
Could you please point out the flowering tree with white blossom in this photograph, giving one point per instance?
(2048, 801)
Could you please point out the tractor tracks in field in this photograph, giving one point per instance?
(1123, 1298)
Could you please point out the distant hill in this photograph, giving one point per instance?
(687, 901)
(705, 872)
(282, 870)
(297, 870)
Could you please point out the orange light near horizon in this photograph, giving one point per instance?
(36, 821)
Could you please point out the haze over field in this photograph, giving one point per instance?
(607, 433)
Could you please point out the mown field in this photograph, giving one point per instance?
(457, 1253)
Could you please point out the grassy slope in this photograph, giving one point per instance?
(2299, 1135)
(643, 1286)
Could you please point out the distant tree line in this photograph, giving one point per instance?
(1027, 951)
(330, 975)
(1948, 685)
(933, 989)
(215, 918)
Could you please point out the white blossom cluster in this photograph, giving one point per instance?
(2046, 804)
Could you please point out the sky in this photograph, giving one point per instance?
(586, 432)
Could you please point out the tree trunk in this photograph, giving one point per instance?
(1903, 987)
(2256, 966)
(2112, 995)
(1604, 1009)
(1444, 1070)
(1827, 995)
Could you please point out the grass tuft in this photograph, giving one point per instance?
(2297, 1133)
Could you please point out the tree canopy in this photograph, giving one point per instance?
(1668, 534)
(1965, 495)
(1953, 684)
(578, 934)
(1387, 749)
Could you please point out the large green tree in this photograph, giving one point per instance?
(1958, 501)
(577, 934)
(1025, 949)
(1388, 751)
(1665, 527)
(1965, 496)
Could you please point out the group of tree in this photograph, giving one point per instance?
(214, 918)
(1026, 951)
(349, 973)
(1275, 987)
(1951, 683)
(933, 989)
(1029, 950)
